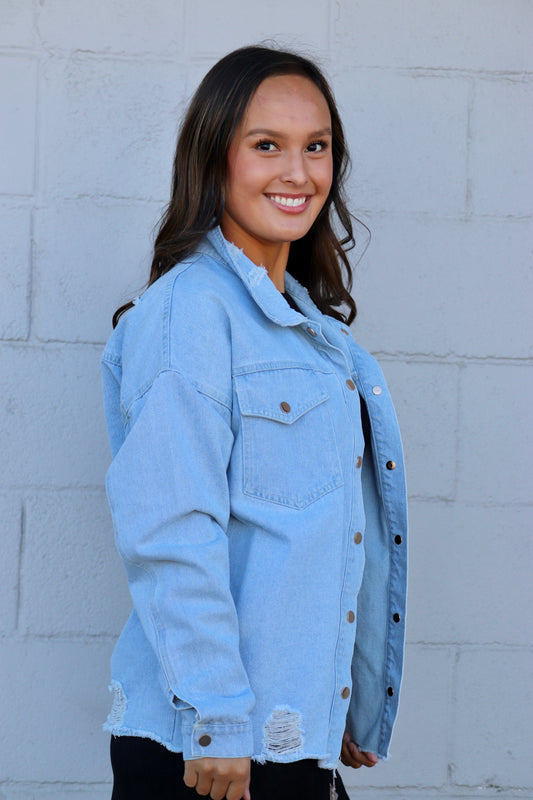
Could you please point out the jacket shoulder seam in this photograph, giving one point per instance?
(205, 391)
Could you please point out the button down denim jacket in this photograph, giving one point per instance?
(258, 499)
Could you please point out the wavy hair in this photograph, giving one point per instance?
(318, 260)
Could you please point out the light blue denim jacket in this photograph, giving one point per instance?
(259, 508)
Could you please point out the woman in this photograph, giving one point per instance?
(257, 485)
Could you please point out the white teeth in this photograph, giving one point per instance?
(288, 201)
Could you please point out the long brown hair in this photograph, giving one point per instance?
(318, 260)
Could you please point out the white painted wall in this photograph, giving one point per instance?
(436, 98)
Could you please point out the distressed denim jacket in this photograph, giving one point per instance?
(258, 499)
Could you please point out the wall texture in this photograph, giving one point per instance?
(436, 98)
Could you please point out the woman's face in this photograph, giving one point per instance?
(280, 166)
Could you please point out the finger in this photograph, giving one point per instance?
(219, 788)
(347, 757)
(203, 785)
(362, 757)
(238, 790)
(190, 775)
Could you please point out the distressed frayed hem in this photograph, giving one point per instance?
(282, 733)
(118, 708)
(119, 730)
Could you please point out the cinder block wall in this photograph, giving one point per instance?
(436, 98)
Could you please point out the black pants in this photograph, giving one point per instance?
(145, 770)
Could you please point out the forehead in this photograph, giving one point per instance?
(287, 98)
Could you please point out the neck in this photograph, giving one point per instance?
(271, 255)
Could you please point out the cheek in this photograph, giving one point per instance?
(242, 179)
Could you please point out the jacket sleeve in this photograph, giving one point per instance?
(169, 497)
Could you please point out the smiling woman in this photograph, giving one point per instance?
(280, 170)
(260, 522)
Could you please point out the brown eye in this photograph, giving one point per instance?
(317, 147)
(266, 146)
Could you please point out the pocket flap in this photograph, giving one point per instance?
(279, 394)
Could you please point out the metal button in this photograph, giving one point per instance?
(398, 539)
(376, 390)
(350, 616)
(391, 465)
(350, 384)
(345, 693)
(396, 617)
(359, 462)
(204, 740)
(346, 333)
(358, 537)
(311, 331)
(285, 407)
(390, 691)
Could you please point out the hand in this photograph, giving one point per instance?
(351, 756)
(219, 777)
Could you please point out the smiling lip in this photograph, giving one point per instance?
(291, 204)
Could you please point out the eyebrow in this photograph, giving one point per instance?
(279, 134)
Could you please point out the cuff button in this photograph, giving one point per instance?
(204, 740)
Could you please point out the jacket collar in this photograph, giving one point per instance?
(257, 282)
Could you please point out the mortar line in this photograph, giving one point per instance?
(458, 421)
(469, 140)
(36, 197)
(22, 539)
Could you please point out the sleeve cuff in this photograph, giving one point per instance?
(215, 740)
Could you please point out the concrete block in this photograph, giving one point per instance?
(495, 434)
(407, 137)
(109, 127)
(215, 29)
(425, 398)
(15, 266)
(494, 290)
(469, 573)
(494, 35)
(437, 286)
(430, 793)
(73, 582)
(501, 150)
(90, 257)
(18, 95)
(16, 23)
(118, 27)
(55, 698)
(51, 417)
(419, 744)
(24, 791)
(11, 525)
(493, 708)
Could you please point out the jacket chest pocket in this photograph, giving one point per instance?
(289, 450)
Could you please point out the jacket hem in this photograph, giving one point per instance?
(120, 730)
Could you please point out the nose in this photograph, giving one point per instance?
(295, 169)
